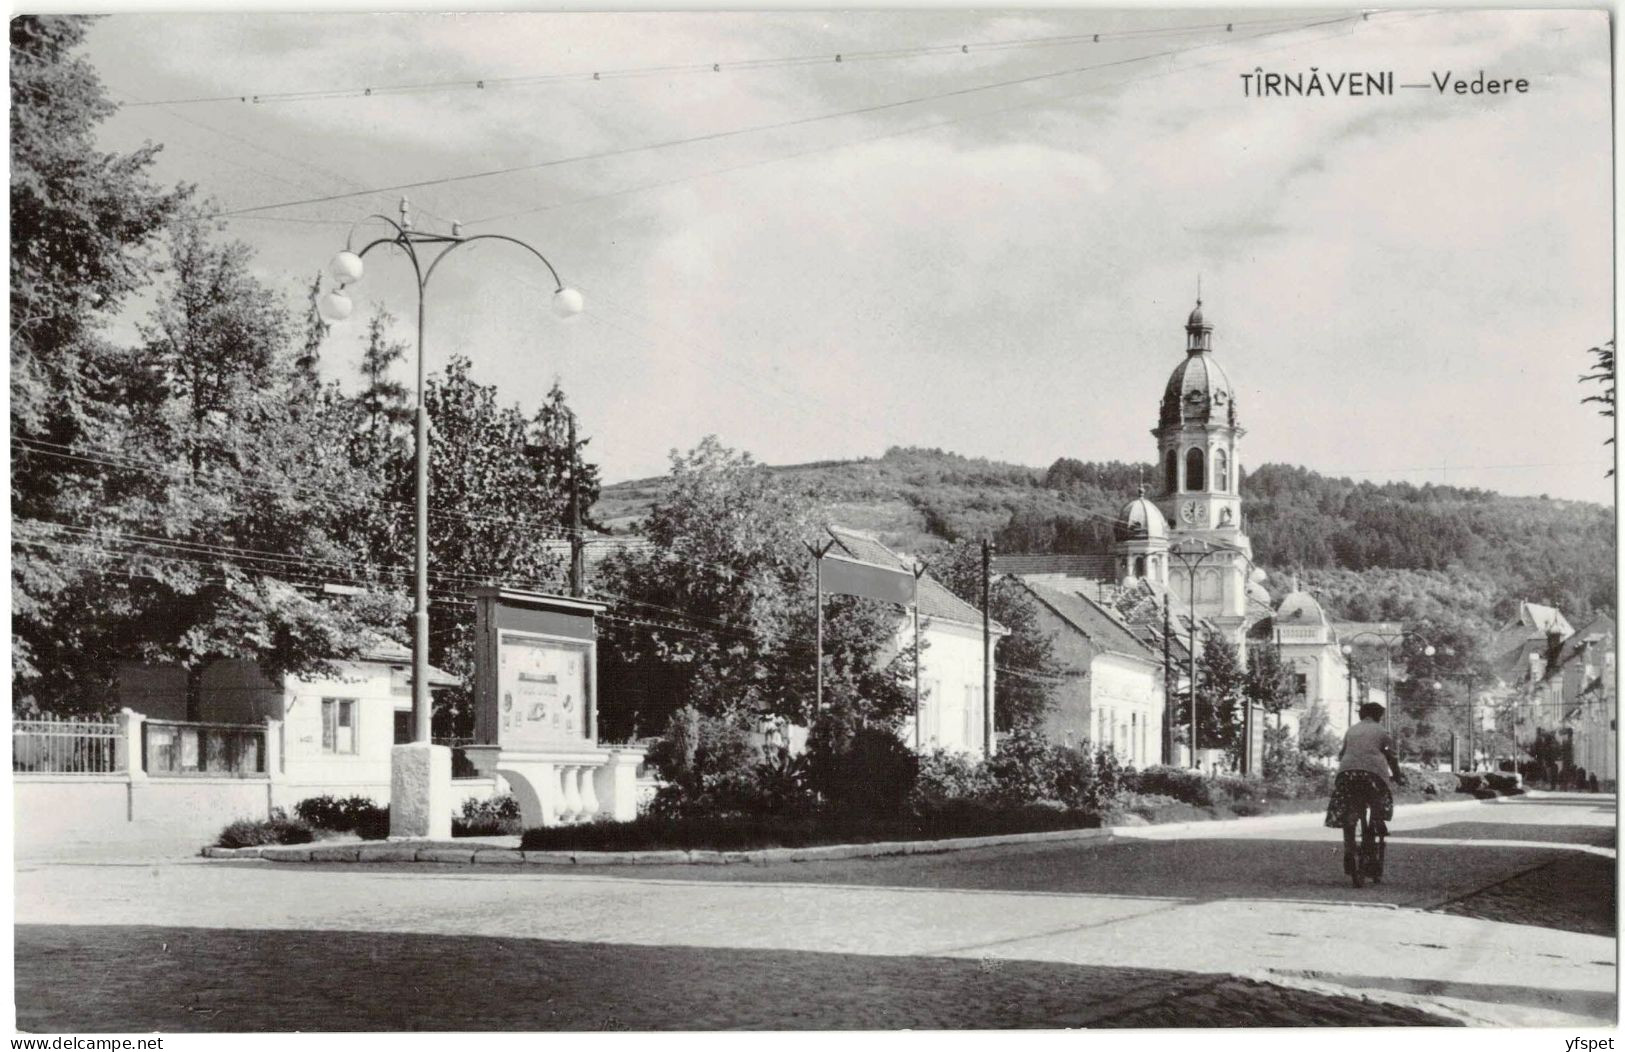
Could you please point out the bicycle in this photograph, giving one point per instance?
(1373, 845)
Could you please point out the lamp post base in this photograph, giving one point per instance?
(420, 792)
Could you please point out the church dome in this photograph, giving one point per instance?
(1199, 392)
(1141, 520)
(1300, 608)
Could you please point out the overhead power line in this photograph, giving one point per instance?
(730, 133)
(824, 58)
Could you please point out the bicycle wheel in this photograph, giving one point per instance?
(1356, 871)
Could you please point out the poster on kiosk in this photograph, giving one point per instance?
(534, 680)
(542, 687)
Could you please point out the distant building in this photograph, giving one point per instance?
(1111, 693)
(1562, 683)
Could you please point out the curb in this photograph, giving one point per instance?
(451, 854)
(497, 856)
(1272, 821)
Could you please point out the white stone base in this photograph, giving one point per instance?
(420, 803)
(572, 785)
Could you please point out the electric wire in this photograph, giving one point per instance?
(828, 57)
(752, 129)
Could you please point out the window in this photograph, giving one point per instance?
(1139, 566)
(1170, 478)
(1221, 471)
(338, 726)
(1194, 475)
(1300, 684)
(403, 727)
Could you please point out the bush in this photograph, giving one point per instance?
(1085, 781)
(943, 776)
(1024, 769)
(498, 816)
(260, 832)
(1183, 784)
(706, 762)
(353, 814)
(746, 832)
(861, 770)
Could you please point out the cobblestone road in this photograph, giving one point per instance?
(1231, 925)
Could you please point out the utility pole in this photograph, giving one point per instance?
(1168, 682)
(987, 649)
(577, 544)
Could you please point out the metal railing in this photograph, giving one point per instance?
(170, 748)
(54, 745)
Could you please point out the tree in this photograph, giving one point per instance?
(1221, 684)
(498, 496)
(384, 399)
(719, 610)
(1027, 670)
(210, 530)
(1269, 684)
(82, 222)
(1602, 374)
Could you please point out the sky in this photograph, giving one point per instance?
(1402, 287)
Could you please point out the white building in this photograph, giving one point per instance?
(334, 733)
(953, 703)
(1111, 694)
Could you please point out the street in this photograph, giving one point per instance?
(1491, 914)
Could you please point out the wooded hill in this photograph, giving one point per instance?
(1373, 551)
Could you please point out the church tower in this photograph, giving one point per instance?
(1199, 473)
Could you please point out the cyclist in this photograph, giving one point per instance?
(1363, 772)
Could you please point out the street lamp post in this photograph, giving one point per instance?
(1387, 639)
(425, 250)
(1192, 561)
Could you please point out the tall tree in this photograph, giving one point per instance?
(1027, 669)
(1602, 374)
(384, 398)
(724, 591)
(82, 221)
(215, 519)
(1221, 684)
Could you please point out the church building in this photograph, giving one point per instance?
(1189, 539)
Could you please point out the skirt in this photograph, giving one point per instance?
(1351, 794)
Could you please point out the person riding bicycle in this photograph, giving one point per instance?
(1363, 771)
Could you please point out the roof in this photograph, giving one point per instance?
(1090, 567)
(1299, 607)
(1198, 391)
(931, 596)
(1543, 619)
(1599, 631)
(1093, 621)
(386, 651)
(1140, 519)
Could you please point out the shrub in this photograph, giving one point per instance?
(1087, 781)
(706, 762)
(943, 776)
(1024, 769)
(498, 816)
(1181, 783)
(780, 785)
(1236, 788)
(260, 832)
(353, 814)
(862, 769)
